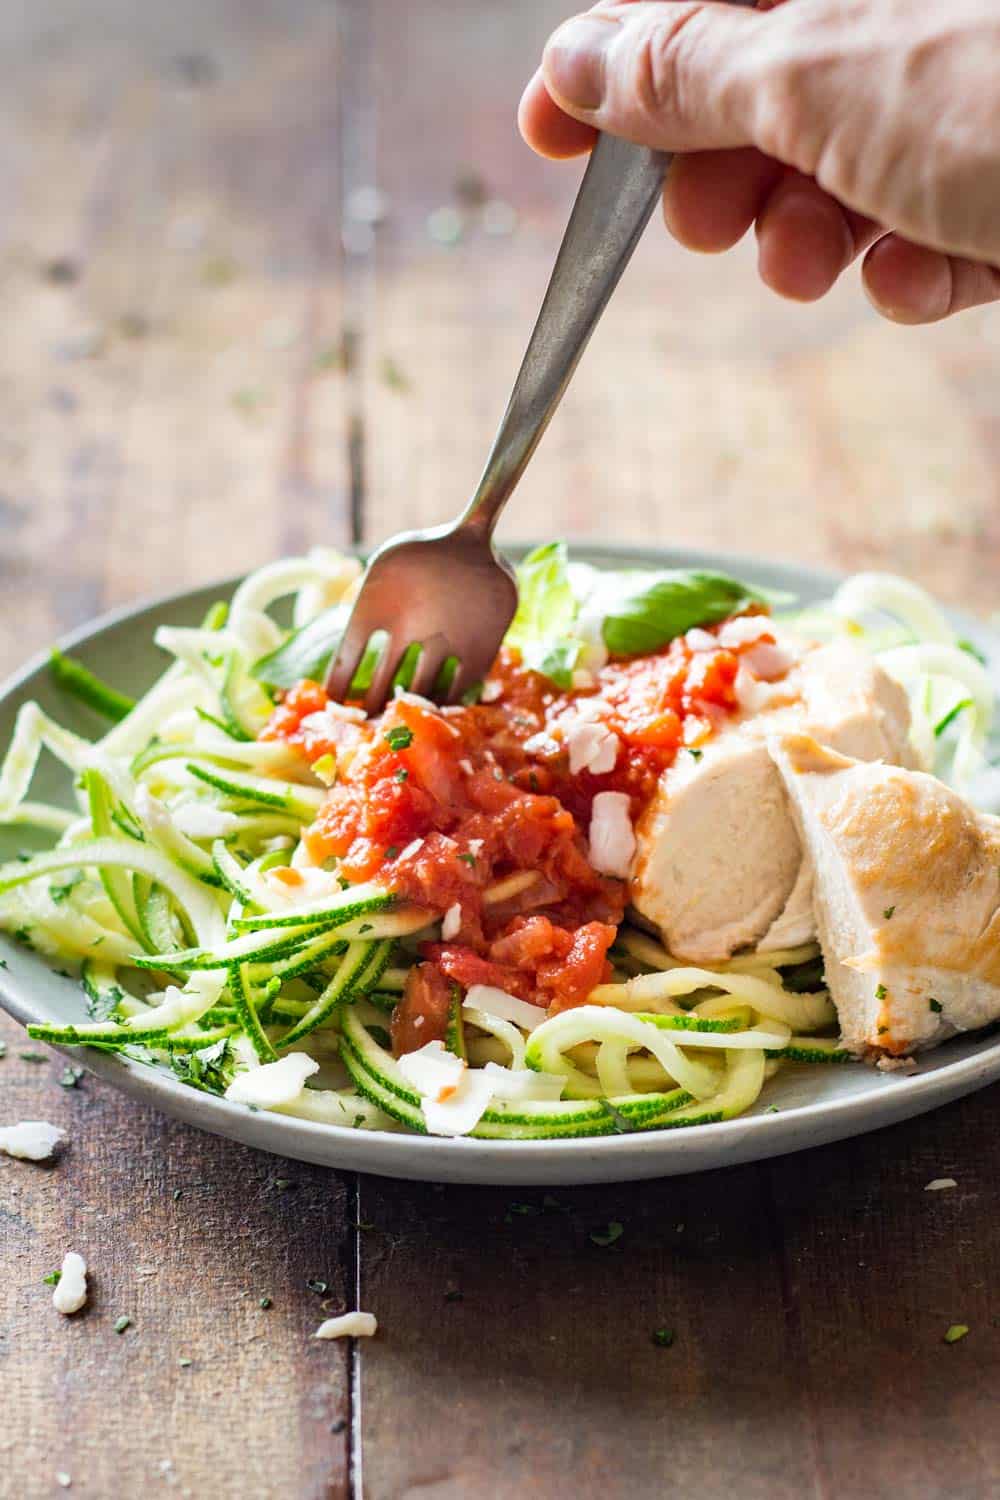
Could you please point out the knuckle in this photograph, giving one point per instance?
(660, 68)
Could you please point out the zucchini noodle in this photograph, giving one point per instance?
(195, 957)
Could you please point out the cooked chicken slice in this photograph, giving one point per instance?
(718, 856)
(907, 895)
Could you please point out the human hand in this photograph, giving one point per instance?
(837, 127)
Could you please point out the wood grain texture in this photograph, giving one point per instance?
(184, 1234)
(212, 356)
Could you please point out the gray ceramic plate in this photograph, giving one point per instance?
(813, 1105)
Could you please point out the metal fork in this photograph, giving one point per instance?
(446, 588)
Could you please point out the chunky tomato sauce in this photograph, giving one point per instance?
(481, 813)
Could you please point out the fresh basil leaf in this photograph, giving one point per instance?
(672, 602)
(542, 629)
(308, 653)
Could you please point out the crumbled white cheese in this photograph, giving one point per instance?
(700, 640)
(743, 629)
(541, 743)
(352, 1325)
(940, 1185)
(31, 1140)
(433, 1071)
(199, 821)
(63, 1480)
(476, 847)
(496, 1002)
(273, 1084)
(583, 679)
(491, 691)
(452, 1096)
(592, 747)
(314, 885)
(769, 662)
(589, 709)
(612, 837)
(451, 922)
(71, 1289)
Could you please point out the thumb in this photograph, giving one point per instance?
(670, 75)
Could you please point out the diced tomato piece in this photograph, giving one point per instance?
(569, 980)
(422, 1014)
(468, 968)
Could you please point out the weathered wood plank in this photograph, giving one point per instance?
(184, 1234)
(170, 271)
(171, 277)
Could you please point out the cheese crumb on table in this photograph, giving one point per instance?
(352, 1325)
(71, 1288)
(31, 1140)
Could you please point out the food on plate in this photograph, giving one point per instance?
(597, 896)
(907, 897)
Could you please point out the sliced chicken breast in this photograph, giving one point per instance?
(906, 887)
(718, 858)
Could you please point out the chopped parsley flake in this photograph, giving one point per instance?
(264, 1302)
(70, 1077)
(936, 1006)
(281, 1183)
(33, 1057)
(122, 1323)
(695, 754)
(955, 1332)
(59, 893)
(887, 914)
(392, 851)
(184, 1362)
(882, 1030)
(663, 1337)
(177, 1193)
(608, 1236)
(52, 1279)
(881, 992)
(399, 737)
(319, 1287)
(402, 774)
(468, 859)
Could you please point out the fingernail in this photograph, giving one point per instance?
(573, 64)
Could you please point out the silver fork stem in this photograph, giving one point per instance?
(618, 193)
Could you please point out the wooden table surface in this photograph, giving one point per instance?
(209, 357)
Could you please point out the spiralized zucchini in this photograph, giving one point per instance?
(193, 959)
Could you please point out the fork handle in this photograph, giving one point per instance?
(616, 198)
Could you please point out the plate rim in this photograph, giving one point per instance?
(614, 1157)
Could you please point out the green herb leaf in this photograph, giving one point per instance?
(122, 1323)
(880, 992)
(542, 628)
(936, 1006)
(887, 914)
(264, 1302)
(53, 1278)
(184, 1362)
(605, 1237)
(399, 737)
(70, 1077)
(402, 774)
(663, 1337)
(319, 1287)
(33, 1057)
(955, 1332)
(670, 603)
(971, 649)
(952, 714)
(59, 893)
